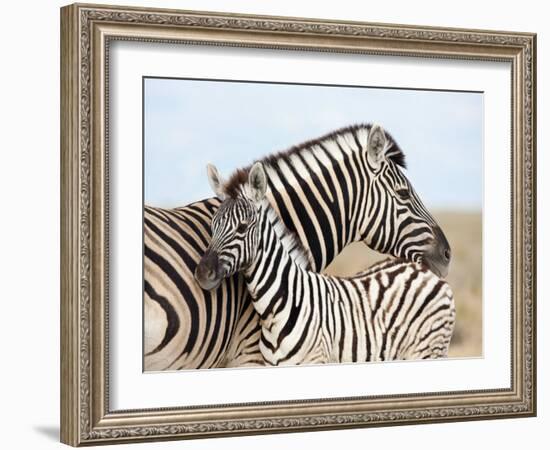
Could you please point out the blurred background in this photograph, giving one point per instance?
(189, 123)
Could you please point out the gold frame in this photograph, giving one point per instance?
(86, 31)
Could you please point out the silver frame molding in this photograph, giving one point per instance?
(86, 31)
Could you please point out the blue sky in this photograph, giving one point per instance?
(189, 123)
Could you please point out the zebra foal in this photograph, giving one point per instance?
(395, 310)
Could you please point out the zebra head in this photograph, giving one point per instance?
(396, 221)
(235, 229)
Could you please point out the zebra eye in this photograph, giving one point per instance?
(242, 227)
(403, 194)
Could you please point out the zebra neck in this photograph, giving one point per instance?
(275, 262)
(322, 194)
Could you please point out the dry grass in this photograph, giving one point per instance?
(463, 231)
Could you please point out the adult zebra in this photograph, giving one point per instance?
(343, 187)
(395, 310)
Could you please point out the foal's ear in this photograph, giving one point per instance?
(215, 180)
(376, 145)
(257, 182)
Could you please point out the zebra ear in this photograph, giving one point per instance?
(257, 182)
(376, 145)
(215, 180)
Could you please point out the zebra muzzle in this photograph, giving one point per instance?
(438, 258)
(208, 273)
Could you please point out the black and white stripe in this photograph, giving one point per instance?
(344, 187)
(395, 310)
(185, 326)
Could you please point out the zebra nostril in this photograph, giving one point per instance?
(447, 254)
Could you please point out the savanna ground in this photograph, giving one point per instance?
(463, 231)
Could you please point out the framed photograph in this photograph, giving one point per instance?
(280, 224)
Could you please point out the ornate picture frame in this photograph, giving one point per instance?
(87, 32)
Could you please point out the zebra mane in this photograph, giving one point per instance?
(299, 254)
(233, 186)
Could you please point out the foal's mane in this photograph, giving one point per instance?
(289, 239)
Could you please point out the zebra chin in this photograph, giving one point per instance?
(207, 284)
(440, 268)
